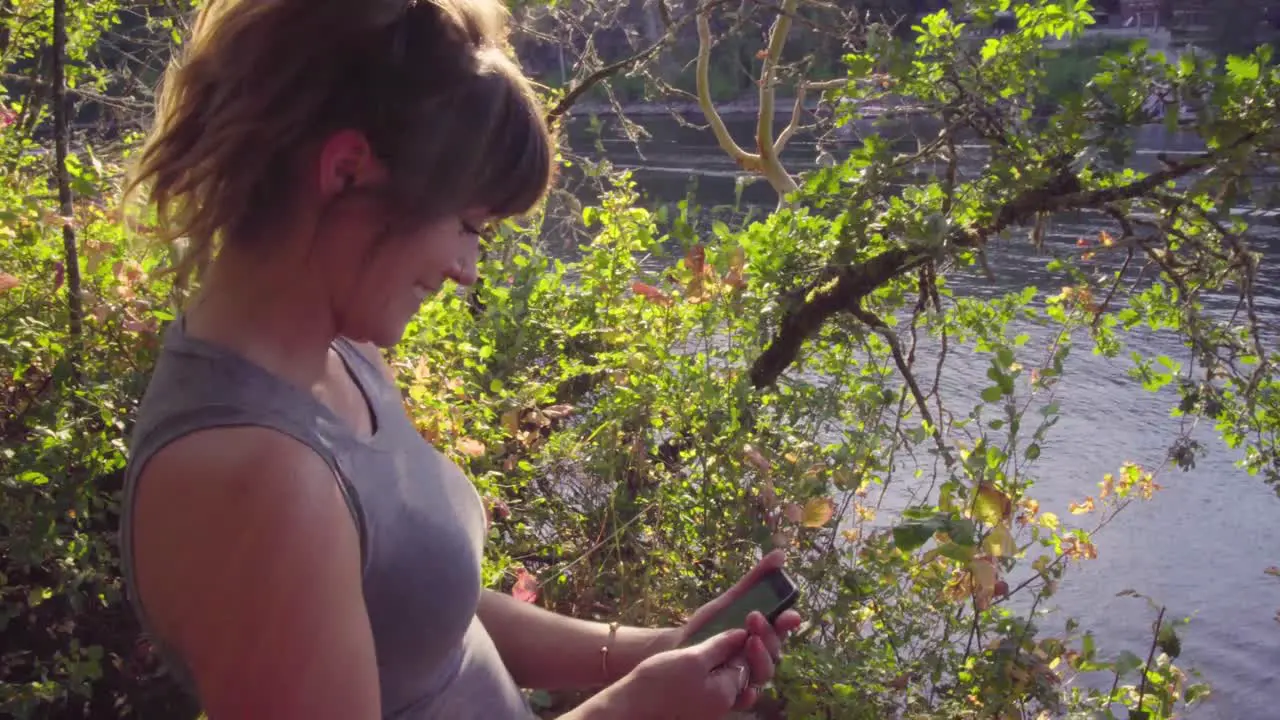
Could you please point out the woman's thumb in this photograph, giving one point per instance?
(717, 650)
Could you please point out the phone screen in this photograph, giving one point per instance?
(763, 596)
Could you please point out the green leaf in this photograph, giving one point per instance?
(911, 535)
(1243, 69)
(1127, 663)
(1033, 451)
(957, 552)
(992, 394)
(1168, 642)
(33, 478)
(1196, 693)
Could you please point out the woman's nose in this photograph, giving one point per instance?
(464, 271)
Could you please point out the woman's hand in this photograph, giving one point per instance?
(700, 682)
(763, 650)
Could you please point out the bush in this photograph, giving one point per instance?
(645, 415)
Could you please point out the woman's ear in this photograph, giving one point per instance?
(347, 161)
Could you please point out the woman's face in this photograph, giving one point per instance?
(378, 273)
(381, 287)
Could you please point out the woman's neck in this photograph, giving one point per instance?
(265, 309)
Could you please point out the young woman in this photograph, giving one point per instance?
(291, 543)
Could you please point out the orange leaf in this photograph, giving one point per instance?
(1105, 238)
(983, 574)
(696, 260)
(755, 458)
(737, 262)
(650, 293)
(470, 447)
(556, 412)
(818, 512)
(1082, 508)
(8, 282)
(526, 587)
(768, 497)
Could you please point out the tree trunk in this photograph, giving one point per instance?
(62, 141)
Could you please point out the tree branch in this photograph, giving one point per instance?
(747, 161)
(850, 285)
(577, 91)
(771, 166)
(842, 288)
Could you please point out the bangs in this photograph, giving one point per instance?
(486, 145)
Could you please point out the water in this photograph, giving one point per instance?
(1200, 547)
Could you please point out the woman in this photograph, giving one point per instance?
(291, 543)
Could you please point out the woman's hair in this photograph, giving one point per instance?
(429, 82)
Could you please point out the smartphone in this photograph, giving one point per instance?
(772, 595)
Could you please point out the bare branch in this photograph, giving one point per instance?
(747, 161)
(772, 167)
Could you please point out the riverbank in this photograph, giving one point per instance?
(740, 107)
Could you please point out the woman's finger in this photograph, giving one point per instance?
(759, 627)
(747, 699)
(787, 623)
(760, 661)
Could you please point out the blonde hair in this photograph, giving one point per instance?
(429, 82)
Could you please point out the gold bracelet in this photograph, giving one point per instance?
(604, 651)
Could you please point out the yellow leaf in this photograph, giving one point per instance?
(470, 447)
(818, 512)
(1107, 486)
(511, 421)
(999, 542)
(983, 573)
(1049, 521)
(991, 506)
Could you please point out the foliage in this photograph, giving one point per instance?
(645, 412)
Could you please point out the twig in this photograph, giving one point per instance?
(908, 377)
(1151, 654)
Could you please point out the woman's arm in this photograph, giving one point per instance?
(248, 563)
(544, 650)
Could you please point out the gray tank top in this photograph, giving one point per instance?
(421, 522)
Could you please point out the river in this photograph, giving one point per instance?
(1200, 547)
